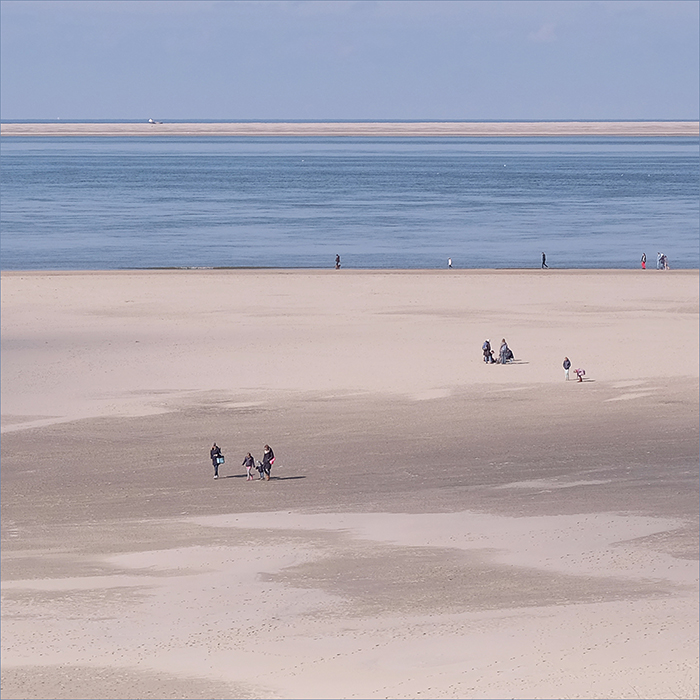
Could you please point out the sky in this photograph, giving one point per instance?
(319, 60)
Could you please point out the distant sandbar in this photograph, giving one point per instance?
(370, 129)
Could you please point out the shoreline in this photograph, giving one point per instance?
(361, 129)
(358, 271)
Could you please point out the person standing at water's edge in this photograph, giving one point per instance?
(215, 454)
(644, 261)
(544, 261)
(567, 367)
(449, 263)
(337, 262)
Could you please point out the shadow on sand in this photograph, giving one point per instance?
(257, 478)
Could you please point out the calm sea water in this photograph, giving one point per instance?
(111, 203)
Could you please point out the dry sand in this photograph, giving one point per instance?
(385, 129)
(435, 527)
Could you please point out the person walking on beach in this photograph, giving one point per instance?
(644, 261)
(248, 463)
(659, 261)
(664, 262)
(337, 262)
(215, 454)
(449, 263)
(567, 367)
(267, 461)
(259, 467)
(544, 261)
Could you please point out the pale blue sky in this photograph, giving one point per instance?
(350, 60)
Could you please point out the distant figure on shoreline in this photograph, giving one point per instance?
(337, 262)
(567, 367)
(664, 262)
(544, 261)
(449, 263)
(659, 261)
(644, 261)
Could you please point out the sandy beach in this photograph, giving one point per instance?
(434, 526)
(357, 129)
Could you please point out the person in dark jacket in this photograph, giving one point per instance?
(544, 261)
(248, 463)
(215, 453)
(488, 353)
(567, 367)
(267, 461)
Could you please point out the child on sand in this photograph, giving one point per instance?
(259, 467)
(248, 463)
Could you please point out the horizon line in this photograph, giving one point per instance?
(293, 120)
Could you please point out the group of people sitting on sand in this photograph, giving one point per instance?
(263, 467)
(505, 354)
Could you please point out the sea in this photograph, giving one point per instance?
(110, 203)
